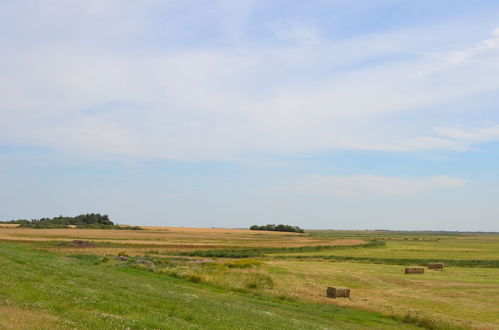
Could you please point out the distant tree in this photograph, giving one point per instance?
(280, 227)
(89, 220)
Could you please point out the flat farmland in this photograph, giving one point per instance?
(167, 239)
(282, 275)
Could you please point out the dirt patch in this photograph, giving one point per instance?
(17, 318)
(77, 243)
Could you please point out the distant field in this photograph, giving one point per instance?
(171, 239)
(470, 246)
(8, 225)
(268, 279)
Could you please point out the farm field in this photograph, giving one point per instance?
(424, 246)
(230, 278)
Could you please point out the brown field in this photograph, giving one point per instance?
(165, 240)
(173, 235)
(16, 319)
(8, 225)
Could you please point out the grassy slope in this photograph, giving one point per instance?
(44, 290)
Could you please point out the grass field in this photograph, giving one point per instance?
(216, 278)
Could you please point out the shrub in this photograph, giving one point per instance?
(141, 267)
(192, 278)
(280, 227)
(89, 220)
(258, 281)
(243, 263)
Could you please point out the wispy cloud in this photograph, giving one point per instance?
(225, 100)
(298, 33)
(480, 48)
(485, 133)
(372, 185)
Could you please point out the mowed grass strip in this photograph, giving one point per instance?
(76, 293)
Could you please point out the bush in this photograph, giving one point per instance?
(141, 267)
(243, 263)
(89, 220)
(192, 278)
(281, 227)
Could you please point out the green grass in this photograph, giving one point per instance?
(402, 261)
(470, 248)
(81, 293)
(261, 251)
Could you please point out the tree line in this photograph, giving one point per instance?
(89, 220)
(272, 227)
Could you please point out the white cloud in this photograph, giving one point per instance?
(302, 34)
(221, 103)
(372, 185)
(485, 133)
(480, 48)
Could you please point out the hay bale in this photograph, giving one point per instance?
(436, 265)
(414, 270)
(338, 292)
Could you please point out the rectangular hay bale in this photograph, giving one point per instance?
(436, 265)
(414, 270)
(338, 292)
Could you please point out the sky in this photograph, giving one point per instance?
(330, 114)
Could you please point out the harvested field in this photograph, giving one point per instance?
(468, 297)
(167, 239)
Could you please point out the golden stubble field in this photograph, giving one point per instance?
(172, 235)
(167, 239)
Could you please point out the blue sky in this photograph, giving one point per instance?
(322, 114)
